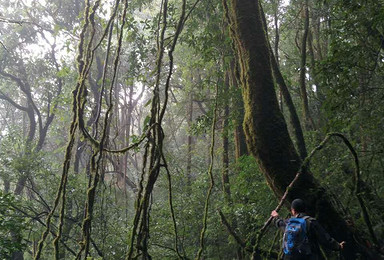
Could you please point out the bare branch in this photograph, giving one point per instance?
(3, 96)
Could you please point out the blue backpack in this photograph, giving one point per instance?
(295, 240)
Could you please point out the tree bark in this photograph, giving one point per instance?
(294, 118)
(277, 34)
(276, 42)
(225, 170)
(303, 90)
(266, 131)
(239, 136)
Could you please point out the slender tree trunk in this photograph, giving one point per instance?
(294, 118)
(20, 184)
(318, 38)
(225, 170)
(313, 62)
(318, 92)
(190, 138)
(266, 131)
(7, 185)
(276, 44)
(127, 132)
(303, 90)
(240, 143)
(239, 136)
(78, 156)
(277, 34)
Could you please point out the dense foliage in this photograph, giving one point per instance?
(196, 152)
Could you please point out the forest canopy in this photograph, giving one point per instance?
(150, 129)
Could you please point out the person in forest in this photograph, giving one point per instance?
(303, 234)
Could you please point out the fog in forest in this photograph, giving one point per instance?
(150, 129)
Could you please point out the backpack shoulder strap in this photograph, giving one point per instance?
(308, 220)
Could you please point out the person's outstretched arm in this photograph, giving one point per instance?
(324, 238)
(278, 222)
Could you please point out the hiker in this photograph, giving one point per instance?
(302, 234)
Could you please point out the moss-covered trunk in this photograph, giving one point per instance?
(294, 118)
(238, 108)
(266, 131)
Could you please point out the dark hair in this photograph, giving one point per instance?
(298, 205)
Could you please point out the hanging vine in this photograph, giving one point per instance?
(153, 156)
(98, 153)
(73, 128)
(153, 136)
(210, 174)
(84, 60)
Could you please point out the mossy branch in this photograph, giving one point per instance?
(233, 232)
(68, 153)
(109, 28)
(98, 154)
(165, 165)
(152, 148)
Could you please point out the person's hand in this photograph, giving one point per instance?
(274, 214)
(342, 244)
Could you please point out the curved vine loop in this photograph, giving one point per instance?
(98, 153)
(153, 137)
(84, 60)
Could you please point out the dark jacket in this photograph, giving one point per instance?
(316, 235)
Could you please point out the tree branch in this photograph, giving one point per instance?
(3, 96)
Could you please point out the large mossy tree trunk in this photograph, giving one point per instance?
(265, 128)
